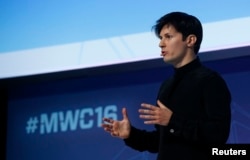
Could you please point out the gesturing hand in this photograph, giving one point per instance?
(120, 129)
(155, 115)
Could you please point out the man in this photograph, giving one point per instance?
(193, 105)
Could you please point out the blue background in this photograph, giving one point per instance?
(125, 89)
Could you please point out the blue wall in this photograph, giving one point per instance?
(68, 112)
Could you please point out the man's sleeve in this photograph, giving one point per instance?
(143, 140)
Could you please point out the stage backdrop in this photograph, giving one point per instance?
(60, 120)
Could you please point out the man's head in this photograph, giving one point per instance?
(184, 23)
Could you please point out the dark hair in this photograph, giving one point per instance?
(184, 23)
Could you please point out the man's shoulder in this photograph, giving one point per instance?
(205, 72)
(207, 75)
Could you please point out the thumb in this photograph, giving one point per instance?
(161, 105)
(124, 113)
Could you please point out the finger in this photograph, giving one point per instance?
(104, 125)
(150, 122)
(107, 128)
(145, 111)
(160, 104)
(114, 134)
(108, 120)
(149, 106)
(124, 113)
(149, 117)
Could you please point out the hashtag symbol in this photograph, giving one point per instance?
(31, 125)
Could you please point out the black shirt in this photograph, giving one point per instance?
(200, 101)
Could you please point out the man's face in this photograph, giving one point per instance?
(173, 49)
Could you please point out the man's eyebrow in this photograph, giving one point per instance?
(165, 34)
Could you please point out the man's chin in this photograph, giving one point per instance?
(168, 61)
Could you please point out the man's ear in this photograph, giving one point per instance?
(191, 40)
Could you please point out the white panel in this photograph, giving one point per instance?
(114, 50)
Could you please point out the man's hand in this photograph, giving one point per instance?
(120, 129)
(155, 115)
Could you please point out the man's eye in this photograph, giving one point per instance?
(169, 36)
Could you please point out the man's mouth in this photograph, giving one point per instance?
(163, 53)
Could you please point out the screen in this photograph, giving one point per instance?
(51, 36)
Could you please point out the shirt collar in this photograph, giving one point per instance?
(188, 67)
